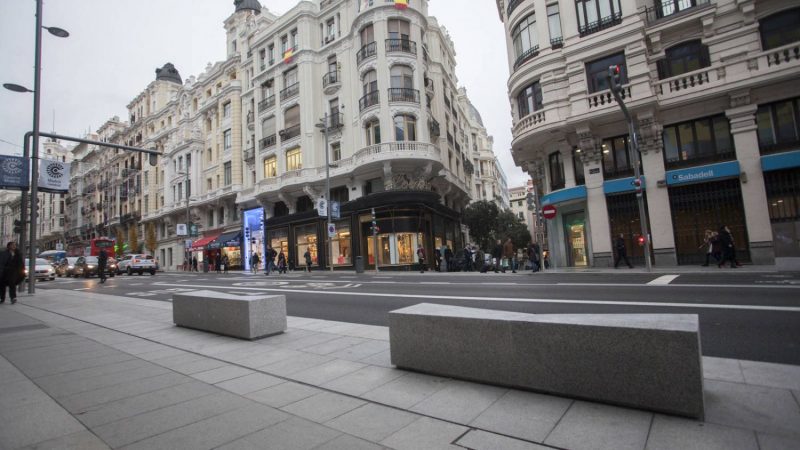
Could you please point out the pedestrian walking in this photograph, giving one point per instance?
(437, 259)
(102, 263)
(510, 255)
(468, 258)
(281, 262)
(448, 259)
(269, 260)
(421, 258)
(708, 244)
(497, 253)
(307, 256)
(728, 247)
(12, 271)
(254, 262)
(225, 263)
(194, 264)
(622, 253)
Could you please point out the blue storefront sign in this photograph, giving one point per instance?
(14, 173)
(703, 173)
(564, 195)
(778, 161)
(621, 185)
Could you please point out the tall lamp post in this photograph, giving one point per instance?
(325, 126)
(37, 78)
(188, 233)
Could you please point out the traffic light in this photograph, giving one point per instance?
(615, 77)
(637, 184)
(17, 226)
(531, 204)
(640, 240)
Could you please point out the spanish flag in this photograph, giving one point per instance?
(287, 55)
(401, 4)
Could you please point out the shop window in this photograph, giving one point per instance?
(783, 197)
(306, 239)
(294, 159)
(341, 244)
(525, 40)
(279, 241)
(556, 171)
(698, 141)
(597, 71)
(304, 204)
(779, 125)
(271, 167)
(780, 29)
(577, 167)
(683, 58)
(405, 128)
(623, 218)
(530, 99)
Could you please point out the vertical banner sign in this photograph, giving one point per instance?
(335, 210)
(53, 176)
(14, 173)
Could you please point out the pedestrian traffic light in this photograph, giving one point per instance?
(637, 183)
(17, 226)
(640, 240)
(531, 204)
(614, 76)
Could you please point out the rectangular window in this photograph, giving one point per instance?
(227, 139)
(597, 71)
(271, 167)
(530, 99)
(209, 185)
(596, 15)
(227, 170)
(698, 141)
(294, 159)
(226, 110)
(373, 132)
(211, 218)
(779, 125)
(398, 29)
(336, 151)
(577, 167)
(284, 44)
(616, 157)
(554, 22)
(367, 35)
(293, 39)
(271, 54)
(556, 171)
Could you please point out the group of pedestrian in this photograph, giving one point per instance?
(721, 246)
(502, 257)
(269, 261)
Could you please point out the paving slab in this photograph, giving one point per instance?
(294, 364)
(459, 401)
(360, 351)
(722, 369)
(407, 390)
(347, 442)
(266, 358)
(17, 392)
(323, 407)
(383, 359)
(82, 440)
(334, 345)
(283, 394)
(363, 380)
(668, 433)
(772, 442)
(83, 400)
(766, 409)
(599, 427)
(425, 433)
(65, 388)
(98, 359)
(372, 422)
(306, 341)
(249, 383)
(226, 372)
(291, 434)
(35, 422)
(483, 440)
(769, 374)
(524, 415)
(323, 373)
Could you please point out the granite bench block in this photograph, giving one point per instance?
(648, 361)
(247, 317)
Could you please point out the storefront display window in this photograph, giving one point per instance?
(306, 239)
(341, 251)
(279, 241)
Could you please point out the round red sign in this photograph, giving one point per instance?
(548, 211)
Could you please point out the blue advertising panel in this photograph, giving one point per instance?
(253, 235)
(14, 173)
(564, 195)
(621, 185)
(778, 161)
(703, 173)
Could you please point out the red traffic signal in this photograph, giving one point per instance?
(640, 240)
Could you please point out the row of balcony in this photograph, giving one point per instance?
(395, 95)
(269, 102)
(392, 46)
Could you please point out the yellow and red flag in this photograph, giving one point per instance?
(401, 4)
(287, 55)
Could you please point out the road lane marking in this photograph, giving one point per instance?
(518, 300)
(663, 280)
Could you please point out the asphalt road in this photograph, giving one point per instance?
(744, 315)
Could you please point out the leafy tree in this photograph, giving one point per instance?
(150, 238)
(509, 225)
(133, 238)
(481, 218)
(119, 235)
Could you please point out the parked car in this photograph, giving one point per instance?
(44, 270)
(86, 266)
(66, 267)
(137, 262)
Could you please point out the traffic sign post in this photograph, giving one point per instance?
(549, 212)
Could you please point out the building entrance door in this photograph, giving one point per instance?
(575, 234)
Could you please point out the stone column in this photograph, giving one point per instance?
(754, 195)
(566, 161)
(660, 224)
(596, 208)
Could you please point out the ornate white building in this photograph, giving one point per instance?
(712, 86)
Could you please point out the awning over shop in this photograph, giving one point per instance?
(203, 242)
(230, 239)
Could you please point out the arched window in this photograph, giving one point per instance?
(405, 128)
(402, 77)
(524, 36)
(780, 29)
(683, 58)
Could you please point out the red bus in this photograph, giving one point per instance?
(100, 243)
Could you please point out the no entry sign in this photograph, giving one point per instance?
(548, 211)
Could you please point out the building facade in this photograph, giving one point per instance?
(712, 89)
(518, 197)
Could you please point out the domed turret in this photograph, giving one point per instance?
(168, 73)
(245, 5)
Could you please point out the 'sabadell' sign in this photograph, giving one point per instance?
(53, 176)
(14, 173)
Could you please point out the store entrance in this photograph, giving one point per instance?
(575, 234)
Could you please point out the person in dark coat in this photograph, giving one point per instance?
(281, 262)
(622, 252)
(497, 254)
(448, 258)
(728, 248)
(307, 256)
(437, 259)
(102, 263)
(421, 258)
(12, 270)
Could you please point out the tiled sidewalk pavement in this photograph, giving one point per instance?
(95, 371)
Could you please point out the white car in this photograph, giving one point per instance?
(137, 262)
(44, 270)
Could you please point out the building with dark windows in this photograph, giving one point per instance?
(712, 86)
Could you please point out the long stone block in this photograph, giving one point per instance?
(247, 317)
(648, 361)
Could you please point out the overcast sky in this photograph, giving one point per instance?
(115, 46)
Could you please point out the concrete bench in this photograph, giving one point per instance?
(247, 317)
(648, 361)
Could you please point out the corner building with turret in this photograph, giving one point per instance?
(712, 88)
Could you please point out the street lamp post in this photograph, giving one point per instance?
(325, 125)
(37, 78)
(186, 261)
